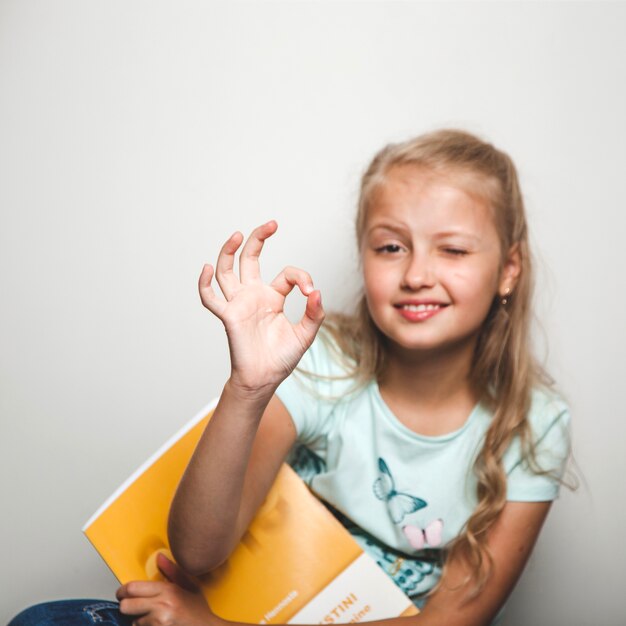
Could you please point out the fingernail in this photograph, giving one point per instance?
(308, 289)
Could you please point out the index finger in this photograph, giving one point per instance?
(249, 268)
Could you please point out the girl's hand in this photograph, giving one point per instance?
(264, 345)
(178, 602)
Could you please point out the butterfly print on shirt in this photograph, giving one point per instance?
(401, 504)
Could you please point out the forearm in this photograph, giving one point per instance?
(510, 541)
(204, 522)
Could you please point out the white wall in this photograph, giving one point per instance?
(135, 136)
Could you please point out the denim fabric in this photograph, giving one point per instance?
(72, 613)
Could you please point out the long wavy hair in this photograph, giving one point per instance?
(503, 370)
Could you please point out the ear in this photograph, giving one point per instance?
(510, 270)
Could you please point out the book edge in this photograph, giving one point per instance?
(150, 461)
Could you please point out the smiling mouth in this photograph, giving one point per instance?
(419, 308)
(418, 312)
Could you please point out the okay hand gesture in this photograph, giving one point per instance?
(264, 345)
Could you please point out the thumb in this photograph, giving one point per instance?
(313, 315)
(175, 574)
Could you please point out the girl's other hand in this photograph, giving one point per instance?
(178, 602)
(264, 345)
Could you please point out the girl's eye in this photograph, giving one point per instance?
(455, 251)
(389, 248)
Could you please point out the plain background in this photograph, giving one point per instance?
(136, 136)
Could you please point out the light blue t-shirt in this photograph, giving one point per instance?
(404, 496)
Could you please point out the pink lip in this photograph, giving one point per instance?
(414, 315)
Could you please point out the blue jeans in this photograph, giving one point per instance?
(72, 613)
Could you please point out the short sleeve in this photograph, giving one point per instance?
(312, 391)
(550, 427)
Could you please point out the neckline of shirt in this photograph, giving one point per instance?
(396, 423)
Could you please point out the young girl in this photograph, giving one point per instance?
(422, 420)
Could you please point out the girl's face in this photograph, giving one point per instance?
(432, 261)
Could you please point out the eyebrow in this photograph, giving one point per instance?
(398, 228)
(457, 233)
(387, 226)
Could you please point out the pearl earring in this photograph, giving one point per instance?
(505, 296)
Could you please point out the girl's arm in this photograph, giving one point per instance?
(250, 432)
(511, 541)
(227, 479)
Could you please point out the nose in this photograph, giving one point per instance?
(419, 272)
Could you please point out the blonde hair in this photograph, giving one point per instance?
(503, 370)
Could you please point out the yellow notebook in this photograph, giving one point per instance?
(295, 564)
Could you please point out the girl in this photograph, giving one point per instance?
(422, 420)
